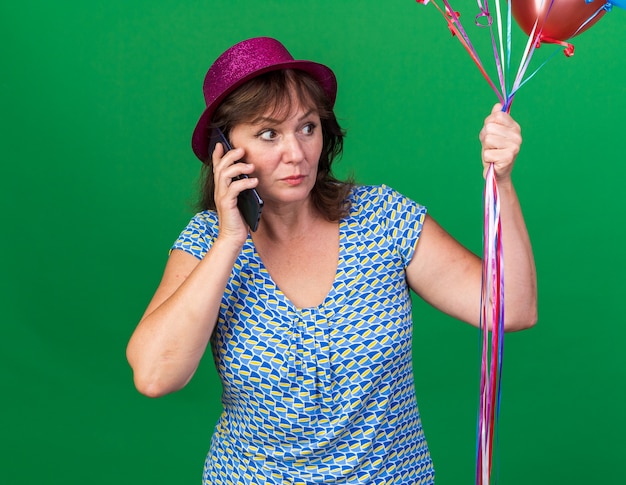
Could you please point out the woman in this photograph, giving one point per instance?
(309, 317)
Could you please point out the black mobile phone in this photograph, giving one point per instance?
(249, 203)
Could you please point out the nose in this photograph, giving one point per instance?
(293, 150)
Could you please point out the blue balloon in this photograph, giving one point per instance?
(609, 3)
(618, 3)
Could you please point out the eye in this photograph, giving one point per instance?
(267, 135)
(309, 128)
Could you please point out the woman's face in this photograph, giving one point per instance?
(285, 153)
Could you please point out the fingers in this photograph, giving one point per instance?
(501, 139)
(228, 172)
(229, 183)
(223, 160)
(500, 121)
(500, 130)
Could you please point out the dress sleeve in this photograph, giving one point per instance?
(199, 235)
(405, 219)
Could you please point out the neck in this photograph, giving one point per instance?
(288, 224)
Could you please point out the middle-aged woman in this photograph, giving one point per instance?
(309, 317)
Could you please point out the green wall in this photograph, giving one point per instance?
(98, 100)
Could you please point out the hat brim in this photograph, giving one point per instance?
(321, 73)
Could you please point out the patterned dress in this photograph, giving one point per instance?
(324, 394)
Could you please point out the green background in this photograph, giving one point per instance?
(98, 100)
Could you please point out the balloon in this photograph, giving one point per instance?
(618, 3)
(559, 20)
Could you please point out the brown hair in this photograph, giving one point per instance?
(271, 91)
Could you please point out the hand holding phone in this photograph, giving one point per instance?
(248, 201)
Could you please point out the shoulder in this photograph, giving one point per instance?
(385, 216)
(199, 234)
(207, 218)
(382, 201)
(204, 222)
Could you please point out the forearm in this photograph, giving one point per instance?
(172, 337)
(520, 280)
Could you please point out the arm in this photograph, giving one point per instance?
(448, 276)
(167, 345)
(169, 341)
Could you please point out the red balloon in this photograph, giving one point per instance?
(559, 20)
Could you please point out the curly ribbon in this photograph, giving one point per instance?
(501, 41)
(492, 318)
(492, 291)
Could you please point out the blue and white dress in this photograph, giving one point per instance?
(324, 394)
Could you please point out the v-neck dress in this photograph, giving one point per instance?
(322, 394)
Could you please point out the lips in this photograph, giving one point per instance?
(294, 179)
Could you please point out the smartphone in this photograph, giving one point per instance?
(249, 203)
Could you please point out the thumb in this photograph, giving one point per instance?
(496, 108)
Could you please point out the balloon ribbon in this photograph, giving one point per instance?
(492, 291)
(491, 330)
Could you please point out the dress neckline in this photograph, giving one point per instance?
(331, 292)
